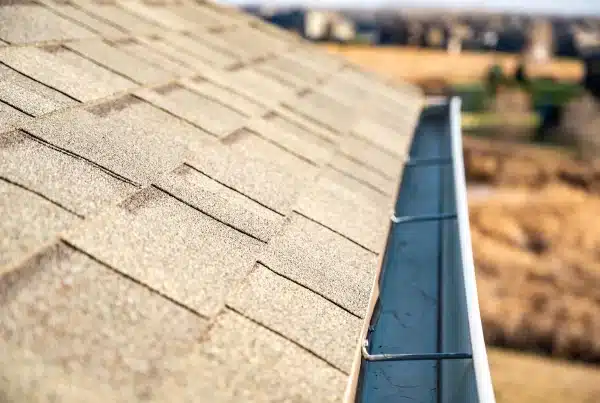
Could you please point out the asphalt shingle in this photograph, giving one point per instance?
(347, 207)
(364, 174)
(258, 86)
(257, 169)
(80, 324)
(126, 136)
(215, 117)
(70, 181)
(383, 137)
(119, 61)
(174, 53)
(264, 367)
(29, 222)
(297, 123)
(220, 202)
(159, 15)
(324, 110)
(152, 56)
(27, 23)
(366, 153)
(65, 71)
(171, 247)
(296, 312)
(75, 14)
(288, 69)
(324, 262)
(10, 117)
(240, 103)
(28, 95)
(300, 142)
(119, 17)
(200, 50)
(199, 14)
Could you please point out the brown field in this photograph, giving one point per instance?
(523, 378)
(418, 65)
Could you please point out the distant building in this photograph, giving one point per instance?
(540, 46)
(328, 26)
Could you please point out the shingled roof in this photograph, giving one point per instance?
(193, 204)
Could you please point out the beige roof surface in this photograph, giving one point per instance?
(193, 204)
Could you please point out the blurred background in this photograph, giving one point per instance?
(529, 76)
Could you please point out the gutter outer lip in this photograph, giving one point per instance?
(483, 377)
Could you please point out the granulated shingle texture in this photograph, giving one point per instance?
(69, 181)
(97, 25)
(193, 204)
(324, 262)
(29, 96)
(214, 117)
(296, 312)
(125, 136)
(118, 61)
(65, 71)
(221, 202)
(347, 207)
(74, 315)
(29, 222)
(26, 23)
(258, 169)
(171, 247)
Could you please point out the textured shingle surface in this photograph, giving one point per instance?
(216, 117)
(324, 262)
(119, 61)
(29, 96)
(65, 71)
(26, 23)
(193, 204)
(296, 312)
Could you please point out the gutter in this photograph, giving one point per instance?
(473, 361)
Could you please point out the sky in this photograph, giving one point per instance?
(545, 6)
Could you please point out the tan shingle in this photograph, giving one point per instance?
(78, 321)
(29, 222)
(27, 23)
(324, 110)
(249, 363)
(221, 202)
(364, 174)
(324, 262)
(299, 314)
(174, 53)
(77, 15)
(29, 96)
(126, 136)
(118, 61)
(171, 247)
(118, 16)
(152, 56)
(258, 169)
(233, 100)
(67, 180)
(216, 117)
(201, 50)
(348, 207)
(65, 71)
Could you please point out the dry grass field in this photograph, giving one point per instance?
(417, 65)
(524, 378)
